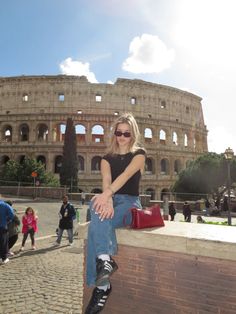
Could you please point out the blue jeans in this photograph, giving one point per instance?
(102, 235)
(60, 233)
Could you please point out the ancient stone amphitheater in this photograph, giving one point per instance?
(34, 110)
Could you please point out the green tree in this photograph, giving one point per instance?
(69, 168)
(204, 176)
(14, 172)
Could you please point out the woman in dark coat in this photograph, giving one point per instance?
(187, 212)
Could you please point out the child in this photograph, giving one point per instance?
(30, 226)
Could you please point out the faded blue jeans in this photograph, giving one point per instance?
(102, 235)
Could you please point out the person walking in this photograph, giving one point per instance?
(121, 170)
(187, 212)
(6, 214)
(172, 211)
(13, 230)
(29, 227)
(67, 214)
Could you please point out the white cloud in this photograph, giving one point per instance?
(70, 67)
(219, 138)
(110, 82)
(148, 54)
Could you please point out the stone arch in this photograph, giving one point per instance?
(58, 163)
(58, 132)
(80, 131)
(165, 166)
(42, 159)
(96, 164)
(42, 132)
(4, 159)
(151, 192)
(177, 166)
(164, 192)
(149, 169)
(97, 133)
(21, 158)
(24, 132)
(7, 133)
(80, 163)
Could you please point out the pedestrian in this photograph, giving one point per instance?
(67, 214)
(207, 207)
(29, 227)
(83, 197)
(13, 230)
(172, 211)
(121, 170)
(6, 214)
(187, 212)
(225, 206)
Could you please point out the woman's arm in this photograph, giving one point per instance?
(101, 200)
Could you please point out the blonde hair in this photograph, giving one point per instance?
(129, 119)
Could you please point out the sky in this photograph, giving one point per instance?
(187, 44)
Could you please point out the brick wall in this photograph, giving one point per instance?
(155, 282)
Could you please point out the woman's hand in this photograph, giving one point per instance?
(100, 200)
(103, 206)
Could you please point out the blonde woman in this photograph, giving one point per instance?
(121, 170)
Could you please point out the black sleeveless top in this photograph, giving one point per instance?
(118, 164)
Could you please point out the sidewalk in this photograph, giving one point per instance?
(48, 280)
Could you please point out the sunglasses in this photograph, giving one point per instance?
(119, 133)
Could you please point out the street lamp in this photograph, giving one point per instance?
(229, 154)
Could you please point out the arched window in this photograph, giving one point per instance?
(148, 166)
(42, 132)
(148, 135)
(185, 140)
(58, 164)
(97, 134)
(80, 133)
(163, 104)
(81, 163)
(175, 138)
(58, 132)
(96, 164)
(165, 169)
(177, 166)
(162, 137)
(21, 159)
(164, 192)
(4, 159)
(7, 134)
(42, 159)
(24, 132)
(151, 192)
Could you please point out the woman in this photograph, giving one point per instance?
(121, 170)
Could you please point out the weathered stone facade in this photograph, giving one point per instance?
(34, 110)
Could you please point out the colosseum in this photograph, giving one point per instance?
(34, 111)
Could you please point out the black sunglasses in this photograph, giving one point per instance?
(119, 133)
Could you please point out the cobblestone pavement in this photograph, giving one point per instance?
(48, 280)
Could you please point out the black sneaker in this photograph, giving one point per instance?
(97, 301)
(104, 270)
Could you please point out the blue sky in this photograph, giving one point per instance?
(188, 44)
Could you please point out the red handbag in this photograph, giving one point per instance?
(146, 218)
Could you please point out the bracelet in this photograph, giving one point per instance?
(109, 187)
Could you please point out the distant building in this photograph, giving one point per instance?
(34, 110)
